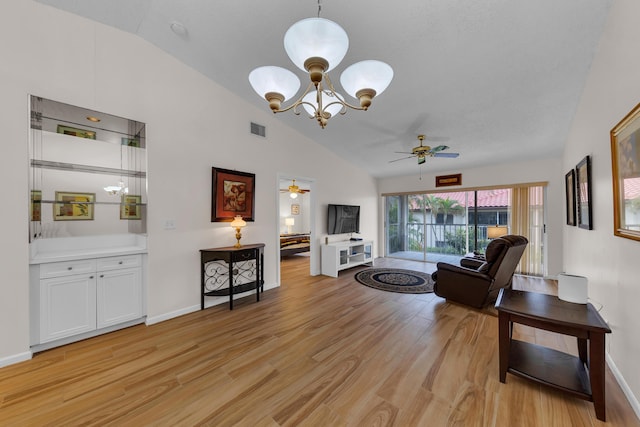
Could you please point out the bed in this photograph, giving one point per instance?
(291, 244)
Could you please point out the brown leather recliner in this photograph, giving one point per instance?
(479, 287)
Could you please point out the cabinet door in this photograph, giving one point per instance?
(368, 251)
(67, 306)
(119, 296)
(343, 257)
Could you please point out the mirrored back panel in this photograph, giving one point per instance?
(87, 172)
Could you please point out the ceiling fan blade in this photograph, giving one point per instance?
(403, 152)
(450, 155)
(439, 148)
(404, 158)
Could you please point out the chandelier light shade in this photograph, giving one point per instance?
(363, 75)
(317, 45)
(316, 38)
(274, 80)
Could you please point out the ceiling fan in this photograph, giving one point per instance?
(294, 190)
(424, 151)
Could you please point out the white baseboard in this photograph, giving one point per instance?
(10, 360)
(172, 314)
(633, 401)
(209, 302)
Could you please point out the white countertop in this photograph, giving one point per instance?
(74, 248)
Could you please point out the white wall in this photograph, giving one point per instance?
(545, 170)
(192, 124)
(609, 262)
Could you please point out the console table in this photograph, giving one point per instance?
(229, 270)
(582, 376)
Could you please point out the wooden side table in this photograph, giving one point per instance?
(582, 376)
(232, 256)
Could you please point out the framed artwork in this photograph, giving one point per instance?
(295, 209)
(73, 206)
(131, 142)
(130, 207)
(448, 180)
(583, 182)
(80, 133)
(36, 205)
(232, 193)
(570, 196)
(625, 157)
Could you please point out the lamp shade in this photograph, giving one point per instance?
(370, 74)
(238, 222)
(573, 288)
(497, 231)
(293, 195)
(289, 221)
(274, 79)
(326, 100)
(316, 37)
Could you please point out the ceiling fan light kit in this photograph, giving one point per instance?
(317, 45)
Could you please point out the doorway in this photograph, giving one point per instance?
(296, 219)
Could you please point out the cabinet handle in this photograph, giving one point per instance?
(120, 262)
(102, 275)
(69, 268)
(90, 277)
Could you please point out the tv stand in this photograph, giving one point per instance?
(339, 256)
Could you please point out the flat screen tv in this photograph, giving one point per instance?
(343, 219)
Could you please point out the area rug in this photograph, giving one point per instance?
(396, 280)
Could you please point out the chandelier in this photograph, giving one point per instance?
(317, 45)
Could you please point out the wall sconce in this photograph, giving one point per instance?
(289, 222)
(497, 231)
(238, 223)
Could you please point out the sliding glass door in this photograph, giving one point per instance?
(446, 226)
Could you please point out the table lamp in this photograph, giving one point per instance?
(497, 231)
(238, 223)
(289, 222)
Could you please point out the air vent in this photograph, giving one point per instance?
(257, 129)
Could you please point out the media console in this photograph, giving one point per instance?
(338, 256)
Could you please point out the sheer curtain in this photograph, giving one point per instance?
(527, 219)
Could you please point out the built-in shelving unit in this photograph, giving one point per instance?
(87, 234)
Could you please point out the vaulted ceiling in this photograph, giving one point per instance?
(495, 80)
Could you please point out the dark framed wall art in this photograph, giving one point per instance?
(583, 180)
(232, 193)
(570, 196)
(625, 158)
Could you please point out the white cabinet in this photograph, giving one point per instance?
(119, 290)
(67, 306)
(81, 298)
(341, 255)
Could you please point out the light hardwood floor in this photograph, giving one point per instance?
(318, 351)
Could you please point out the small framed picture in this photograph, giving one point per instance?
(295, 209)
(570, 196)
(449, 180)
(583, 180)
(130, 207)
(80, 133)
(71, 206)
